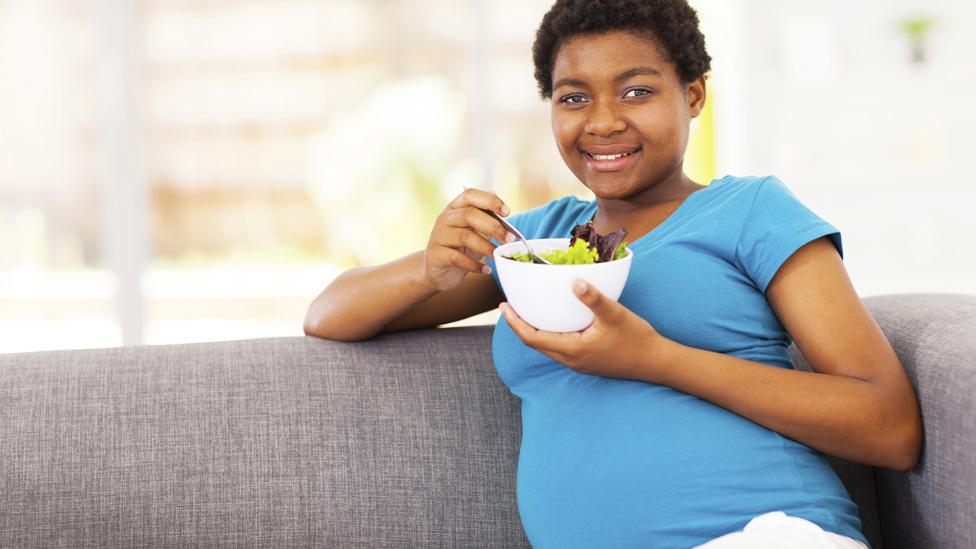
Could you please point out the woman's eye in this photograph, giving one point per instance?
(574, 98)
(637, 92)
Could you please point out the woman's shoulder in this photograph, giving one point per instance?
(751, 191)
(744, 183)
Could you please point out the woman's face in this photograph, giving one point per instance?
(620, 114)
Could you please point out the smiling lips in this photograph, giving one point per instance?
(610, 158)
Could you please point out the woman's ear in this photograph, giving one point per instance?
(696, 93)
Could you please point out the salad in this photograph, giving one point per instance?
(586, 246)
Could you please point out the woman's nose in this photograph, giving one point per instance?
(604, 120)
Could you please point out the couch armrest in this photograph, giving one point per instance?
(933, 505)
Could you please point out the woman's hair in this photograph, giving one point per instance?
(672, 23)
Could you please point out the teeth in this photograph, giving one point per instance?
(609, 156)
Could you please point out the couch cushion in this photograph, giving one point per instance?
(934, 505)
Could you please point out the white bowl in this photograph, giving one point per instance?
(543, 294)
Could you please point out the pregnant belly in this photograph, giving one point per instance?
(628, 466)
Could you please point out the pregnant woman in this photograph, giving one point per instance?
(677, 418)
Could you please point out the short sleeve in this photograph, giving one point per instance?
(777, 225)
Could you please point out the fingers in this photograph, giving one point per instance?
(480, 259)
(463, 232)
(592, 298)
(461, 260)
(479, 199)
(481, 222)
(466, 211)
(454, 237)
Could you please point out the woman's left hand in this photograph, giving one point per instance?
(618, 344)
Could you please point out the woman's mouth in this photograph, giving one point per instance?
(611, 162)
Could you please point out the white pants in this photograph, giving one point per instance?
(778, 530)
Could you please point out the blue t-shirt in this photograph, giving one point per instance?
(607, 462)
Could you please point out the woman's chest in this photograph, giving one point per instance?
(690, 293)
(696, 295)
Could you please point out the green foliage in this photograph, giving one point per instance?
(621, 250)
(580, 253)
(918, 27)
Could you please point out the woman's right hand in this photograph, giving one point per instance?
(461, 238)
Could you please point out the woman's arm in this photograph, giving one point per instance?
(363, 302)
(858, 404)
(444, 282)
(360, 302)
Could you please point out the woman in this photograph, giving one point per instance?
(676, 419)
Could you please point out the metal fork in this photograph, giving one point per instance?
(508, 226)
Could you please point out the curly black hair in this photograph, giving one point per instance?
(672, 23)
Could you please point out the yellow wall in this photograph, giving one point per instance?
(700, 155)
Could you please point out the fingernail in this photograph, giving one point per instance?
(580, 286)
(505, 209)
(486, 269)
(510, 237)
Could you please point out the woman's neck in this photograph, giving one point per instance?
(652, 203)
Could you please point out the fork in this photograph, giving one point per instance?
(510, 228)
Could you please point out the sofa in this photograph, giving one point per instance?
(406, 440)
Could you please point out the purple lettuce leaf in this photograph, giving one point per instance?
(605, 245)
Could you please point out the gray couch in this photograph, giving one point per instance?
(407, 440)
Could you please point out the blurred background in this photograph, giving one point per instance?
(196, 170)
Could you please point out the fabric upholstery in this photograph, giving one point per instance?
(407, 440)
(935, 504)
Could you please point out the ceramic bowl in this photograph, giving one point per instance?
(543, 294)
